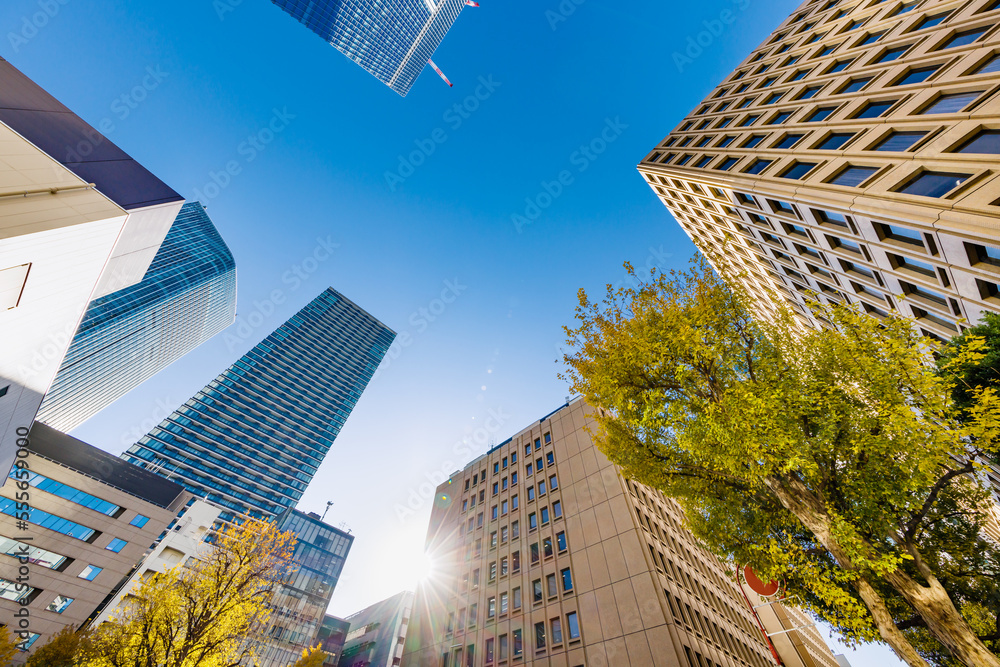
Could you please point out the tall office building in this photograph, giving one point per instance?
(853, 155)
(79, 219)
(549, 556)
(377, 634)
(331, 636)
(298, 606)
(252, 439)
(187, 296)
(391, 39)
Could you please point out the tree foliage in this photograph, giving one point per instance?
(64, 649)
(199, 614)
(8, 645)
(311, 657)
(824, 458)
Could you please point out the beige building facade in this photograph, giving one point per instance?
(74, 522)
(548, 556)
(853, 157)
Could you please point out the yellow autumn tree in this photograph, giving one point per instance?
(199, 614)
(8, 646)
(832, 459)
(311, 657)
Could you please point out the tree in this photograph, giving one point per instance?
(824, 458)
(8, 645)
(199, 614)
(311, 657)
(64, 649)
(973, 374)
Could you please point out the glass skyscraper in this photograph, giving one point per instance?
(391, 39)
(252, 439)
(298, 606)
(187, 295)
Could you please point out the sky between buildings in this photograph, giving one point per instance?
(316, 174)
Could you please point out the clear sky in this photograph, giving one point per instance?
(316, 174)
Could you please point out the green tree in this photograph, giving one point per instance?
(824, 458)
(63, 649)
(199, 614)
(8, 645)
(973, 375)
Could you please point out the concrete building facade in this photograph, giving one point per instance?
(74, 522)
(853, 155)
(548, 556)
(72, 227)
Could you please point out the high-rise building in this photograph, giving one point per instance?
(548, 555)
(78, 219)
(853, 155)
(75, 533)
(391, 39)
(378, 633)
(252, 439)
(187, 296)
(298, 606)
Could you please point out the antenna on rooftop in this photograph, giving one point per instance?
(329, 504)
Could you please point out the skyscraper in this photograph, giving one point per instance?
(853, 155)
(252, 439)
(298, 605)
(391, 39)
(187, 296)
(547, 555)
(79, 218)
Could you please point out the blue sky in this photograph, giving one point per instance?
(304, 161)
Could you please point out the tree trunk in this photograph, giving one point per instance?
(892, 635)
(931, 602)
(943, 620)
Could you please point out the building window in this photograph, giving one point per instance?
(758, 166)
(567, 580)
(531, 493)
(534, 553)
(536, 590)
(503, 604)
(952, 103)
(703, 162)
(489, 650)
(573, 625)
(515, 530)
(991, 65)
(17, 592)
(834, 141)
(981, 254)
(503, 535)
(963, 38)
(3, 390)
(900, 141)
(90, 572)
(932, 183)
(516, 594)
(539, 635)
(59, 604)
(545, 515)
(66, 492)
(557, 509)
(984, 142)
(496, 488)
(553, 483)
(550, 584)
(527, 449)
(491, 607)
(809, 92)
(901, 234)
(798, 170)
(493, 540)
(503, 484)
(518, 643)
(727, 164)
(852, 176)
(875, 109)
(932, 21)
(907, 264)
(839, 66)
(503, 507)
(916, 75)
(516, 561)
(556, 626)
(561, 541)
(473, 616)
(50, 521)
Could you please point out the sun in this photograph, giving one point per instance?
(422, 568)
